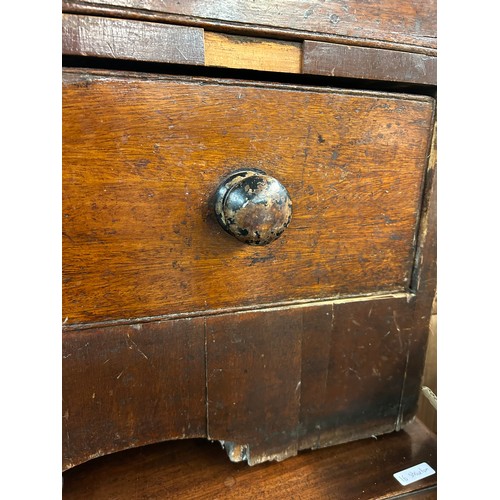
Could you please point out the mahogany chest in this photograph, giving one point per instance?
(249, 222)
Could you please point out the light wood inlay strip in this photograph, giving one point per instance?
(231, 51)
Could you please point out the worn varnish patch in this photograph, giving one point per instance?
(253, 207)
(131, 40)
(345, 61)
(142, 158)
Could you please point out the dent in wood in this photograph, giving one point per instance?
(235, 452)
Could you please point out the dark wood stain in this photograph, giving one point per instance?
(127, 386)
(127, 220)
(332, 59)
(353, 370)
(266, 383)
(253, 383)
(284, 380)
(131, 40)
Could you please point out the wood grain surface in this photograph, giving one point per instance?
(143, 156)
(307, 377)
(391, 21)
(230, 51)
(127, 386)
(199, 469)
(254, 382)
(332, 59)
(131, 40)
(265, 383)
(354, 371)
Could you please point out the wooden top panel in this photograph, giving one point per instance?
(142, 158)
(398, 21)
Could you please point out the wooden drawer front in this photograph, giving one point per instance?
(143, 156)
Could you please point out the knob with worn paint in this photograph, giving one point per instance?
(253, 207)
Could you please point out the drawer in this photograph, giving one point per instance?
(143, 156)
(175, 329)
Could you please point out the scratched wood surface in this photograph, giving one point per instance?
(168, 43)
(127, 386)
(199, 469)
(265, 383)
(354, 371)
(254, 382)
(132, 40)
(391, 21)
(332, 59)
(143, 156)
(283, 380)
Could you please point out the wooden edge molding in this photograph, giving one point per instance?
(424, 273)
(71, 327)
(409, 43)
(75, 75)
(332, 59)
(169, 43)
(131, 40)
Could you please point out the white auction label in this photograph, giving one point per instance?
(414, 473)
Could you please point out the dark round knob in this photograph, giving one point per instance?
(253, 206)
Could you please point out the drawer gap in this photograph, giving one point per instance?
(244, 74)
